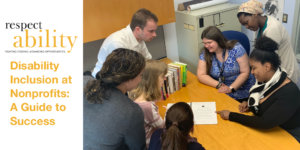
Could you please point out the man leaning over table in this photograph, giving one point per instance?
(142, 28)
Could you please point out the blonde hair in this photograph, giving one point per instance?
(149, 84)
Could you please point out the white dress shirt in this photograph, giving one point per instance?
(123, 38)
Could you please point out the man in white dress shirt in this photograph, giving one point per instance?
(142, 28)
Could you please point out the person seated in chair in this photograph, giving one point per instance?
(224, 65)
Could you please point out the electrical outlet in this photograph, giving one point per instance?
(284, 18)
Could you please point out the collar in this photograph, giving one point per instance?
(261, 30)
(259, 91)
(131, 36)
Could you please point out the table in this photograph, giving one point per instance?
(227, 135)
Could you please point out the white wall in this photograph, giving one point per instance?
(171, 36)
(289, 9)
(171, 41)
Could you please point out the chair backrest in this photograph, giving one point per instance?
(240, 37)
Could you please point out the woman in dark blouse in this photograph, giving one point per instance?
(274, 99)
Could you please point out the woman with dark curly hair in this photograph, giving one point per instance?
(111, 119)
(274, 99)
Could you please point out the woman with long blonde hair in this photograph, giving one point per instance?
(148, 92)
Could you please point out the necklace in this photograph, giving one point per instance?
(221, 77)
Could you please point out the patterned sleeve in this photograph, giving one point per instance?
(202, 56)
(239, 50)
(157, 120)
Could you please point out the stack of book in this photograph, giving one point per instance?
(175, 79)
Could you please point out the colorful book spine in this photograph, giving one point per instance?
(184, 74)
(175, 79)
(179, 73)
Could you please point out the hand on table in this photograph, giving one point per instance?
(243, 107)
(224, 114)
(224, 89)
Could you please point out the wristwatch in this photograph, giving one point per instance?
(232, 89)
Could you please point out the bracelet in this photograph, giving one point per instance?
(219, 85)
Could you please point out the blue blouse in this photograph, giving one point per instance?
(231, 71)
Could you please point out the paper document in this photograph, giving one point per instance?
(204, 112)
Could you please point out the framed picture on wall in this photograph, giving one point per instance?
(273, 8)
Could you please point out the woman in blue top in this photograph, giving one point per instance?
(224, 65)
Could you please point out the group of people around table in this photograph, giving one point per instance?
(119, 101)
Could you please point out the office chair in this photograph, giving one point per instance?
(240, 37)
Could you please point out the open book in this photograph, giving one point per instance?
(204, 112)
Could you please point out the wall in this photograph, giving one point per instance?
(171, 36)
(103, 17)
(289, 9)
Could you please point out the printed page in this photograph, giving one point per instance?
(204, 112)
